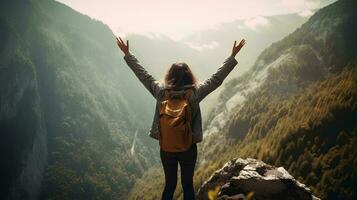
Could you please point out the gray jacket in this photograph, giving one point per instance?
(200, 92)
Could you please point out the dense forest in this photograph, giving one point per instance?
(295, 108)
(67, 120)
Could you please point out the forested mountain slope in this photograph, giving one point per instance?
(297, 103)
(67, 117)
(295, 108)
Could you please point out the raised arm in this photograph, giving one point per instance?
(146, 79)
(217, 78)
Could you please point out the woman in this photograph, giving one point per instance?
(180, 75)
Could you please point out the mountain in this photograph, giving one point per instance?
(297, 103)
(259, 31)
(320, 48)
(67, 117)
(295, 107)
(216, 43)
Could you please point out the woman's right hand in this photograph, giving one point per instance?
(237, 48)
(123, 47)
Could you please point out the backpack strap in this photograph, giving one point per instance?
(180, 88)
(188, 93)
(184, 92)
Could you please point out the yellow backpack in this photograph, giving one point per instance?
(175, 121)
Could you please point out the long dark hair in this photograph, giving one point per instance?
(179, 75)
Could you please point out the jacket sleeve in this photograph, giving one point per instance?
(146, 79)
(216, 79)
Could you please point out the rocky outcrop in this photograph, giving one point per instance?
(253, 179)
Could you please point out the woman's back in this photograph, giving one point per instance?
(201, 91)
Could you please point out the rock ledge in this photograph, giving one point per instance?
(240, 178)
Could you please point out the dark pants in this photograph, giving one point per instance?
(187, 160)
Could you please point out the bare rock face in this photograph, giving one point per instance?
(253, 179)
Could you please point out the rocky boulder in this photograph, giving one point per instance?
(253, 179)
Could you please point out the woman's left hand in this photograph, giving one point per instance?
(124, 47)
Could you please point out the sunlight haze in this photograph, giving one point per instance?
(178, 18)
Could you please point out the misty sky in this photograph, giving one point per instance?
(178, 18)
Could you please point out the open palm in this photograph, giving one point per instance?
(237, 48)
(121, 44)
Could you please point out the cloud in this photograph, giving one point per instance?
(306, 13)
(292, 5)
(119, 32)
(312, 4)
(304, 7)
(256, 22)
(149, 34)
(201, 47)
